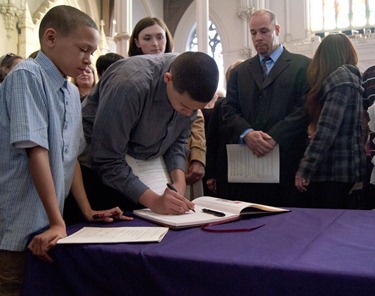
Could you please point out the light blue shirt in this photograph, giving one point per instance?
(38, 106)
(274, 56)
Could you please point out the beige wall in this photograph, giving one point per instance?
(22, 38)
(19, 23)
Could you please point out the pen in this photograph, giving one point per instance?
(212, 212)
(103, 215)
(171, 187)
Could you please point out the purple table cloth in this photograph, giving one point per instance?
(304, 252)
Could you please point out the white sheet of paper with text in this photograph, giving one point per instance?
(151, 172)
(246, 167)
(90, 235)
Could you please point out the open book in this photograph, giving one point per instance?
(207, 210)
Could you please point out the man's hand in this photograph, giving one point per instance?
(260, 143)
(196, 172)
(211, 185)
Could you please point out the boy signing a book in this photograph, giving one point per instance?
(41, 132)
(144, 107)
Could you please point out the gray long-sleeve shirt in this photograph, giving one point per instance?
(129, 113)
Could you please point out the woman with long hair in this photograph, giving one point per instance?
(150, 36)
(335, 158)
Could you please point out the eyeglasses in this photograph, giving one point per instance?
(6, 58)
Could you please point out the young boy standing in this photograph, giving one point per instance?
(41, 132)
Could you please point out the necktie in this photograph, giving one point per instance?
(264, 66)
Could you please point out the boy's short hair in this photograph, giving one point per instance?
(65, 19)
(197, 74)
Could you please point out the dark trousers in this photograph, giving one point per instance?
(100, 196)
(12, 268)
(367, 197)
(332, 195)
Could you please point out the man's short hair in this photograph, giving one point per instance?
(197, 74)
(104, 61)
(268, 12)
(65, 19)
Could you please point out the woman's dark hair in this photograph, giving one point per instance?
(334, 51)
(142, 24)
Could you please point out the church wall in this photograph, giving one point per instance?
(19, 26)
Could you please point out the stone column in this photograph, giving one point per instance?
(202, 16)
(244, 9)
(10, 13)
(123, 25)
(27, 43)
(103, 44)
(288, 33)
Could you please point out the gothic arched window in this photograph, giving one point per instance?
(215, 46)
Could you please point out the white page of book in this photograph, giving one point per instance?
(231, 206)
(151, 172)
(230, 209)
(115, 235)
(246, 167)
(188, 219)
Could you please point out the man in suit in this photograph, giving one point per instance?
(265, 107)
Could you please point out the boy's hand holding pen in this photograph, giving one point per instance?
(171, 187)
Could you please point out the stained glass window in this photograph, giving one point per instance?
(329, 15)
(371, 11)
(339, 15)
(343, 14)
(359, 13)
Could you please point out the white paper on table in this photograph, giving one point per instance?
(89, 235)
